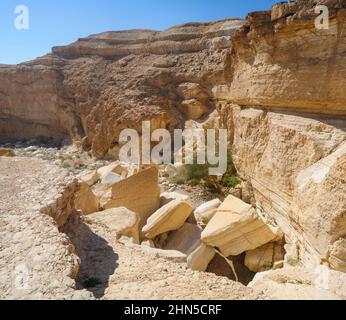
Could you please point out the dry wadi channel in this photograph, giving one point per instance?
(77, 223)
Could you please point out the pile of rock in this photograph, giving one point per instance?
(127, 199)
(120, 185)
(228, 229)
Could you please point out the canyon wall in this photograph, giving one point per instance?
(31, 105)
(285, 104)
(107, 82)
(277, 82)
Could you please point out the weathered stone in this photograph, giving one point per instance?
(337, 259)
(292, 255)
(85, 200)
(167, 197)
(189, 90)
(301, 284)
(205, 212)
(101, 190)
(283, 10)
(116, 168)
(169, 218)
(199, 259)
(287, 136)
(185, 240)
(148, 243)
(37, 261)
(111, 178)
(193, 109)
(264, 258)
(171, 255)
(235, 205)
(121, 221)
(139, 193)
(90, 178)
(236, 228)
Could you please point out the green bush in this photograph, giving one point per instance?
(199, 174)
(230, 181)
(197, 171)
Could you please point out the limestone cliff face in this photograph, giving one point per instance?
(277, 82)
(285, 105)
(280, 60)
(115, 80)
(30, 104)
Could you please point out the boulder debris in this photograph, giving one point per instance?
(168, 218)
(236, 228)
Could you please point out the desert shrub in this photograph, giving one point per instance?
(199, 174)
(230, 181)
(197, 171)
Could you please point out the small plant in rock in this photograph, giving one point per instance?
(91, 283)
(197, 171)
(230, 181)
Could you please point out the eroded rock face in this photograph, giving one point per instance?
(102, 84)
(32, 104)
(287, 124)
(281, 60)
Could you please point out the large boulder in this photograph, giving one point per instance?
(185, 240)
(124, 170)
(168, 218)
(90, 178)
(265, 257)
(199, 259)
(111, 178)
(120, 221)
(236, 228)
(301, 284)
(205, 212)
(85, 200)
(167, 197)
(170, 255)
(139, 193)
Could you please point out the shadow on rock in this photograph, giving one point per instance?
(98, 259)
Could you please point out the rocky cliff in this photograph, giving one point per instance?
(277, 82)
(285, 104)
(102, 84)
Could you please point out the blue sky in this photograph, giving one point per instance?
(61, 22)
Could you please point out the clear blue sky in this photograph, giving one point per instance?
(54, 22)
